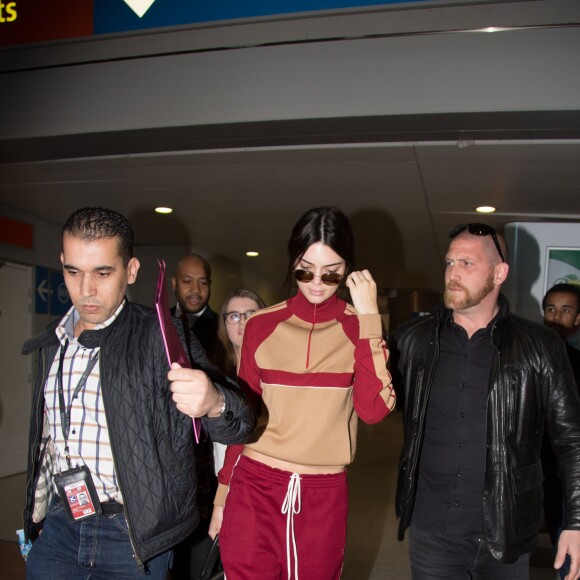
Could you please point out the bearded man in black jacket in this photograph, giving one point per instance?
(479, 386)
(111, 481)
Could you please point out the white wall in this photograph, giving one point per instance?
(465, 72)
(226, 276)
(46, 245)
(15, 385)
(528, 244)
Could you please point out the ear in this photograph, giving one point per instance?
(62, 258)
(501, 273)
(173, 282)
(132, 269)
(577, 320)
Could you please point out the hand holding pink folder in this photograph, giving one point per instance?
(173, 347)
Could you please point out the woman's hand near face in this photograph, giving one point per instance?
(363, 291)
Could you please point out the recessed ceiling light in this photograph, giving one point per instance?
(252, 254)
(494, 29)
(164, 209)
(485, 209)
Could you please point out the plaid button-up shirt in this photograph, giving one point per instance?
(88, 438)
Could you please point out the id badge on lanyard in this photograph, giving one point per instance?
(75, 485)
(78, 494)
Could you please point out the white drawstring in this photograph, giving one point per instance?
(290, 507)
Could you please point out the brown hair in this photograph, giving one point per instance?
(223, 355)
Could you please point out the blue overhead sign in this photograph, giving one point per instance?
(121, 15)
(24, 21)
(51, 296)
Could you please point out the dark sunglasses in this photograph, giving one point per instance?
(478, 230)
(328, 278)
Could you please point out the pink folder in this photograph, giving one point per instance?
(173, 347)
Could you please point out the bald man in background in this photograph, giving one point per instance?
(192, 286)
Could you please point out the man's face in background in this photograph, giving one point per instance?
(561, 312)
(191, 284)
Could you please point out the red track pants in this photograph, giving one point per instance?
(260, 542)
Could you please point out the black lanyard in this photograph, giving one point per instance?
(64, 412)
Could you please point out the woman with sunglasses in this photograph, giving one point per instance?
(313, 364)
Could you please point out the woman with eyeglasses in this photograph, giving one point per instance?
(238, 306)
(314, 364)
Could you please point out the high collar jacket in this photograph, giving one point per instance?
(151, 441)
(531, 385)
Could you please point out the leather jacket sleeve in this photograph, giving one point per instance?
(563, 424)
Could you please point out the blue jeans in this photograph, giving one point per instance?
(97, 548)
(448, 557)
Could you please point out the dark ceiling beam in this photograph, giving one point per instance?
(540, 125)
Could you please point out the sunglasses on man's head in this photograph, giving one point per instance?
(478, 230)
(328, 278)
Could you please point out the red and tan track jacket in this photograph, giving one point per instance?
(315, 369)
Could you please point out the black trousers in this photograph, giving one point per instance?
(189, 555)
(437, 557)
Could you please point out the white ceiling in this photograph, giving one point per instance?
(402, 198)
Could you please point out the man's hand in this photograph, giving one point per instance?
(217, 517)
(363, 291)
(569, 543)
(193, 392)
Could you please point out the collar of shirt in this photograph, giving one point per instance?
(191, 316)
(66, 329)
(450, 323)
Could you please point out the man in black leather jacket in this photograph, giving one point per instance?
(127, 423)
(479, 385)
(561, 306)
